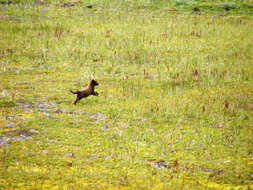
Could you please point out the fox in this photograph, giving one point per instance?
(90, 90)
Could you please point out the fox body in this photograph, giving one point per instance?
(90, 90)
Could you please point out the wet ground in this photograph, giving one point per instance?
(175, 165)
(17, 132)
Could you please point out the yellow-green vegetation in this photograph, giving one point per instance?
(175, 101)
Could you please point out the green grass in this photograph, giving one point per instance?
(165, 81)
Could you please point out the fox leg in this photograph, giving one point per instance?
(94, 93)
(77, 99)
(78, 96)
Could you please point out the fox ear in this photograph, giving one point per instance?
(91, 77)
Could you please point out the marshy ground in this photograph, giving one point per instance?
(175, 101)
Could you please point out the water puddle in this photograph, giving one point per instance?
(98, 116)
(35, 2)
(165, 165)
(28, 110)
(11, 125)
(51, 108)
(49, 142)
(159, 164)
(17, 135)
(61, 110)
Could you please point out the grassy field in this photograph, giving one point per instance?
(175, 104)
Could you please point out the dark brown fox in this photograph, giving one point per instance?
(86, 92)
